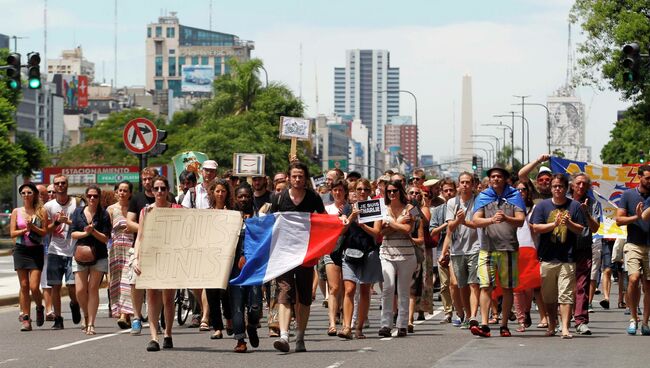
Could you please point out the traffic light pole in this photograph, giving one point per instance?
(143, 158)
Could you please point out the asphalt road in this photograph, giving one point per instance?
(432, 345)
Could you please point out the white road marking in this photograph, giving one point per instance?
(365, 350)
(430, 316)
(9, 360)
(335, 365)
(93, 339)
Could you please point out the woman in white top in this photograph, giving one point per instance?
(397, 257)
(339, 190)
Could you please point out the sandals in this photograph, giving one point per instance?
(90, 330)
(359, 335)
(521, 328)
(542, 325)
(204, 326)
(216, 335)
(345, 333)
(550, 333)
(493, 321)
(331, 331)
(123, 323)
(567, 336)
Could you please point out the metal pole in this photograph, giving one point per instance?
(143, 164)
(548, 124)
(266, 74)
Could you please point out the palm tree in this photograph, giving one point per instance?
(235, 92)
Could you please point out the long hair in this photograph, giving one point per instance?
(400, 189)
(99, 196)
(226, 184)
(37, 205)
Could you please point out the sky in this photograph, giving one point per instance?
(509, 47)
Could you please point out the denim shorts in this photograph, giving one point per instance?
(101, 265)
(58, 267)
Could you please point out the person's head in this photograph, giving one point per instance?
(280, 186)
(220, 194)
(339, 190)
(244, 199)
(559, 187)
(498, 178)
(353, 176)
(60, 184)
(124, 190)
(209, 171)
(160, 188)
(187, 179)
(50, 192)
(644, 177)
(279, 177)
(448, 188)
(525, 190)
(465, 183)
(42, 193)
(395, 192)
(93, 195)
(382, 181)
(580, 185)
(414, 194)
(363, 189)
(400, 177)
(418, 177)
(259, 183)
(352, 193)
(298, 174)
(330, 176)
(29, 193)
(543, 180)
(147, 175)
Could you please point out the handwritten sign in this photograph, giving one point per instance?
(371, 210)
(248, 164)
(188, 248)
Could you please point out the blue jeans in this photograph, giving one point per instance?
(249, 297)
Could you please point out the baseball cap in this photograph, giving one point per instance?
(210, 164)
(544, 171)
(430, 182)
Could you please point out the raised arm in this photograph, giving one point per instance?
(526, 170)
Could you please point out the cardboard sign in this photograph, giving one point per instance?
(317, 181)
(248, 164)
(371, 210)
(188, 248)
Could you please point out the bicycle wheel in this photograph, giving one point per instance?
(184, 303)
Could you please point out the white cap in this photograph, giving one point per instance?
(210, 164)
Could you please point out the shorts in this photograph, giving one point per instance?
(465, 268)
(606, 254)
(367, 272)
(320, 268)
(296, 283)
(58, 267)
(636, 259)
(596, 258)
(497, 262)
(101, 265)
(558, 282)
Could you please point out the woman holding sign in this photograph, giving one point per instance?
(156, 298)
(397, 255)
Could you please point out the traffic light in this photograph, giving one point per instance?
(13, 71)
(641, 156)
(631, 61)
(34, 70)
(474, 162)
(160, 147)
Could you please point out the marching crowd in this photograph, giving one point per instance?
(479, 238)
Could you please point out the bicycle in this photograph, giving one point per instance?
(184, 302)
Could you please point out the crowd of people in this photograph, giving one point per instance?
(469, 235)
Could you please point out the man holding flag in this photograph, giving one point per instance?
(499, 210)
(286, 245)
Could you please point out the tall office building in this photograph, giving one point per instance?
(170, 46)
(40, 113)
(72, 62)
(368, 89)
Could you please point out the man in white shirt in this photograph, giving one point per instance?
(197, 197)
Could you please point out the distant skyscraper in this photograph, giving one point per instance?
(359, 91)
(466, 120)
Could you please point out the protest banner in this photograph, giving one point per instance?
(371, 210)
(188, 248)
(608, 182)
(317, 181)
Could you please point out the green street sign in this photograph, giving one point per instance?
(116, 178)
(336, 163)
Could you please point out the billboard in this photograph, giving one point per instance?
(197, 78)
(73, 89)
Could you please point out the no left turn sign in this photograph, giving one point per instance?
(140, 135)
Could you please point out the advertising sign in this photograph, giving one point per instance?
(73, 89)
(89, 174)
(197, 78)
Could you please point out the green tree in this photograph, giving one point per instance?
(504, 157)
(36, 155)
(626, 139)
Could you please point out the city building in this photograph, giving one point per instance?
(40, 113)
(71, 62)
(567, 125)
(171, 46)
(401, 142)
(333, 142)
(4, 41)
(368, 89)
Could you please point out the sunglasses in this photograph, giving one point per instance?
(50, 192)
(92, 196)
(159, 189)
(391, 191)
(363, 189)
(415, 193)
(26, 193)
(60, 183)
(544, 180)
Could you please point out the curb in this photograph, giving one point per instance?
(13, 299)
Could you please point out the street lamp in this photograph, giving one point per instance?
(489, 136)
(266, 74)
(491, 145)
(523, 98)
(487, 153)
(548, 124)
(417, 132)
(512, 139)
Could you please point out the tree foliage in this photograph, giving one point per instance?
(629, 136)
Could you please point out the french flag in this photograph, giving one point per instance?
(280, 242)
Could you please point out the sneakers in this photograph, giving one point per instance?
(465, 325)
(631, 328)
(645, 330)
(504, 331)
(457, 322)
(384, 332)
(473, 322)
(604, 303)
(76, 313)
(168, 343)
(590, 309)
(58, 323)
(420, 316)
(253, 337)
(50, 317)
(300, 346)
(583, 329)
(26, 323)
(401, 332)
(40, 315)
(153, 346)
(136, 327)
(282, 345)
(483, 331)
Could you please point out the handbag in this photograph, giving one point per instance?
(85, 255)
(354, 256)
(34, 237)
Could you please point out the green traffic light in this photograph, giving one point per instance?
(13, 84)
(34, 83)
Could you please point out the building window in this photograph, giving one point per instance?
(217, 66)
(158, 31)
(175, 85)
(159, 84)
(148, 32)
(171, 51)
(172, 66)
(159, 66)
(204, 60)
(171, 32)
(195, 60)
(226, 69)
(181, 62)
